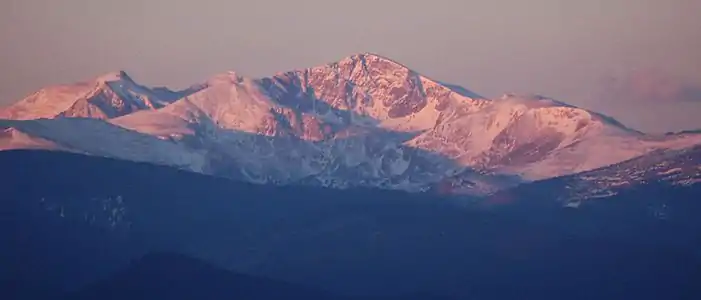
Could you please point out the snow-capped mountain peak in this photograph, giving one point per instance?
(228, 77)
(371, 62)
(106, 96)
(120, 75)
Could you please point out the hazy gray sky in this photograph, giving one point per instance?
(599, 54)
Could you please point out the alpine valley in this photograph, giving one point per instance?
(363, 121)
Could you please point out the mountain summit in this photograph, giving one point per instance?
(365, 120)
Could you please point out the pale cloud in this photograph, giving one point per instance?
(652, 86)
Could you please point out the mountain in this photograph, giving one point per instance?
(364, 120)
(75, 223)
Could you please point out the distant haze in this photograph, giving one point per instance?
(636, 60)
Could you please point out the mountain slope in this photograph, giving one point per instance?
(367, 120)
(664, 176)
(74, 218)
